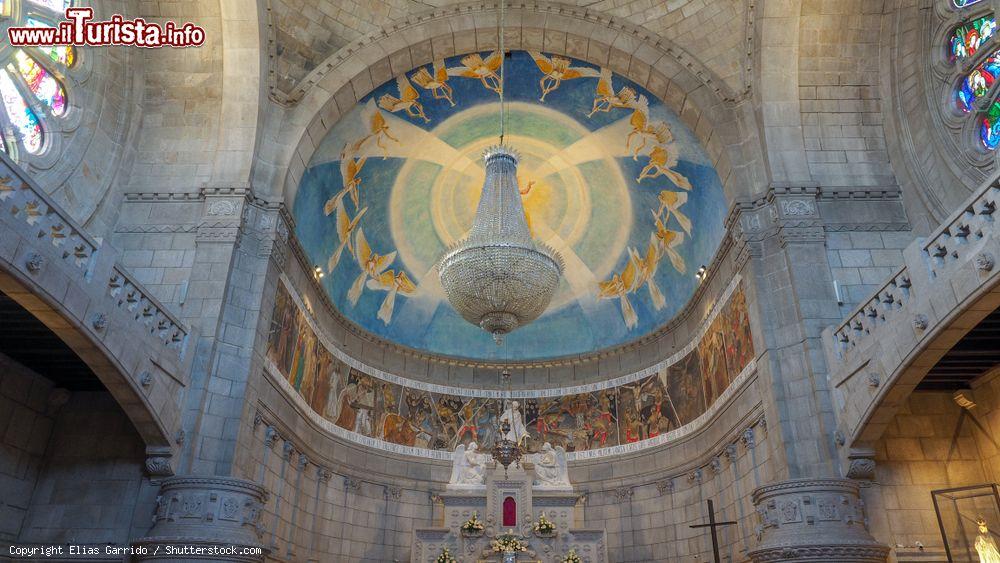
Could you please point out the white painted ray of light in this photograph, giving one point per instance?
(608, 141)
(581, 279)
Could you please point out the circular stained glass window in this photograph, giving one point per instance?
(32, 79)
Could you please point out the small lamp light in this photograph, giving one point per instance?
(318, 272)
(701, 273)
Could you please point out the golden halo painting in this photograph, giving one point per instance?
(609, 177)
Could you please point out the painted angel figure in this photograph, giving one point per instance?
(557, 69)
(605, 97)
(345, 229)
(468, 466)
(372, 265)
(618, 287)
(437, 83)
(377, 127)
(407, 100)
(985, 546)
(662, 161)
(392, 282)
(550, 467)
(474, 66)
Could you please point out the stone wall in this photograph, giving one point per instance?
(25, 427)
(860, 262)
(930, 444)
(91, 487)
(71, 464)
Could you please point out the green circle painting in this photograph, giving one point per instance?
(609, 177)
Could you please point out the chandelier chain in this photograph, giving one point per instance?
(503, 56)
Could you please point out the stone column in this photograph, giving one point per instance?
(206, 512)
(813, 520)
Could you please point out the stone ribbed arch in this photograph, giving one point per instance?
(722, 119)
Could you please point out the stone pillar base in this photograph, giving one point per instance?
(206, 519)
(806, 520)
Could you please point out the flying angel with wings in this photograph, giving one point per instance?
(662, 160)
(474, 66)
(377, 127)
(557, 69)
(350, 169)
(668, 241)
(618, 287)
(393, 282)
(437, 83)
(656, 131)
(372, 265)
(606, 99)
(345, 230)
(407, 100)
(671, 202)
(646, 268)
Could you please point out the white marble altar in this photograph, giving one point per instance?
(539, 486)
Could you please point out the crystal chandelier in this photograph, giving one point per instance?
(498, 278)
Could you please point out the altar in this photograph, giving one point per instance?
(513, 503)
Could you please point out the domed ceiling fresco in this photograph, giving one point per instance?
(609, 177)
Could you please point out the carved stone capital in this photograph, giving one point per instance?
(665, 486)
(624, 494)
(158, 462)
(813, 520)
(270, 437)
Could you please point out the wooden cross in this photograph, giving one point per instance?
(713, 525)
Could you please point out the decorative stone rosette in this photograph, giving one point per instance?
(813, 520)
(206, 511)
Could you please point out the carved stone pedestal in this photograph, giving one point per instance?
(813, 520)
(220, 515)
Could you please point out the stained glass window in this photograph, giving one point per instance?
(989, 132)
(21, 116)
(978, 82)
(964, 3)
(62, 54)
(33, 79)
(42, 84)
(61, 5)
(966, 38)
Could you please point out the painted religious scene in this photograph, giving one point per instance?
(640, 410)
(609, 177)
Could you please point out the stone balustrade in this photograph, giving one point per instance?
(145, 309)
(22, 202)
(885, 347)
(77, 287)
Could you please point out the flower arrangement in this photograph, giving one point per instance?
(507, 543)
(571, 557)
(445, 557)
(473, 526)
(544, 526)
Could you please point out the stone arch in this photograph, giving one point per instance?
(919, 360)
(73, 284)
(721, 119)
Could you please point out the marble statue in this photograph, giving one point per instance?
(985, 546)
(512, 415)
(468, 466)
(550, 467)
